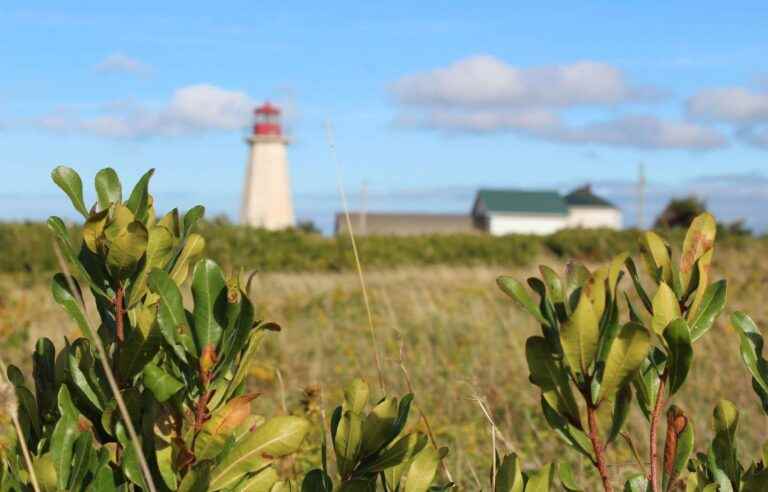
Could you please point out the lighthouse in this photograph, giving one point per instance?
(267, 192)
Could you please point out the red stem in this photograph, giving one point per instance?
(598, 447)
(119, 314)
(654, 475)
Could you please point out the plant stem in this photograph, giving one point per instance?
(654, 475)
(119, 328)
(119, 314)
(598, 447)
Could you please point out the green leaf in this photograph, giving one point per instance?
(685, 444)
(625, 357)
(401, 451)
(170, 314)
(377, 426)
(547, 374)
(541, 480)
(614, 272)
(516, 291)
(63, 438)
(657, 257)
(244, 364)
(190, 254)
(84, 457)
(678, 338)
(83, 373)
(261, 482)
(358, 485)
(197, 479)
(317, 481)
(570, 433)
(347, 441)
(209, 293)
(565, 473)
(64, 297)
(126, 247)
(647, 381)
(139, 200)
(193, 215)
(726, 421)
(130, 462)
(620, 412)
(43, 370)
(108, 188)
(160, 244)
(637, 483)
(69, 181)
(93, 231)
(356, 396)
(140, 345)
(665, 308)
(423, 469)
(509, 477)
(56, 225)
(277, 437)
(160, 383)
(751, 347)
(554, 284)
(711, 306)
(632, 269)
(579, 336)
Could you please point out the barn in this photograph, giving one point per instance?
(508, 211)
(497, 212)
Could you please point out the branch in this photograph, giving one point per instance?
(598, 447)
(653, 478)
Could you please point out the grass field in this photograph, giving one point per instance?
(458, 340)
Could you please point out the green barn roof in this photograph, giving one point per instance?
(522, 201)
(584, 197)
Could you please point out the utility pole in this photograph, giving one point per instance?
(364, 209)
(641, 196)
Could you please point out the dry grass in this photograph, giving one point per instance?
(462, 340)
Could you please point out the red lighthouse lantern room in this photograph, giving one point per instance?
(267, 120)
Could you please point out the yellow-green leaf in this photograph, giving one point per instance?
(657, 255)
(192, 251)
(595, 289)
(627, 353)
(579, 336)
(699, 239)
(665, 308)
(278, 437)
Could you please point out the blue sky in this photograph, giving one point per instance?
(428, 100)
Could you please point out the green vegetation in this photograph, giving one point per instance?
(155, 387)
(27, 248)
(154, 397)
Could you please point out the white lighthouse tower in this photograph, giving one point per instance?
(267, 193)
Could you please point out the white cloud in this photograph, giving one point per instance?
(483, 94)
(121, 63)
(193, 109)
(729, 104)
(647, 132)
(488, 81)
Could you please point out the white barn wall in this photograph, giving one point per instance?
(592, 217)
(501, 224)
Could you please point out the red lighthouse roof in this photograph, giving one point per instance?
(267, 109)
(267, 120)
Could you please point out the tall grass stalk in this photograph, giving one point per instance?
(358, 265)
(19, 433)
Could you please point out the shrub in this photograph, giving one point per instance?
(155, 397)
